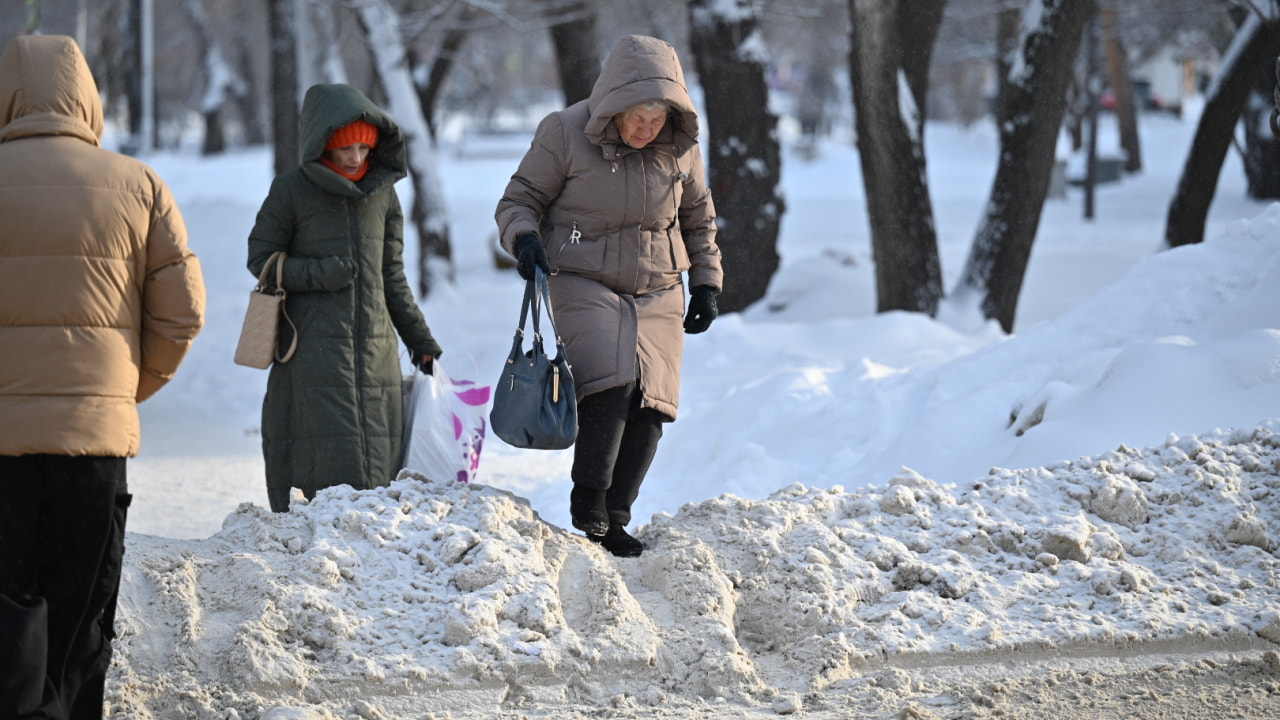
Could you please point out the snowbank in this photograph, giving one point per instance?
(430, 598)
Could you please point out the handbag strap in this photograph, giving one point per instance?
(277, 258)
(537, 295)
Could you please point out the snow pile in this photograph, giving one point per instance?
(427, 597)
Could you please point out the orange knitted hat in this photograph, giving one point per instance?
(360, 131)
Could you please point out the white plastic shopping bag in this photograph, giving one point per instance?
(446, 423)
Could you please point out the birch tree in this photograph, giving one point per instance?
(744, 159)
(1034, 99)
(381, 26)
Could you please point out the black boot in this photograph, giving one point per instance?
(619, 542)
(588, 512)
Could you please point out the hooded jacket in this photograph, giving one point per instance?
(621, 226)
(100, 297)
(333, 414)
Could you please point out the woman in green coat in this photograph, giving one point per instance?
(333, 413)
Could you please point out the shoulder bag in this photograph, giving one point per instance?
(257, 347)
(535, 405)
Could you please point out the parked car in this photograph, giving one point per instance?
(1144, 97)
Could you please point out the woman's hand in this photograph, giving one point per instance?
(702, 309)
(530, 254)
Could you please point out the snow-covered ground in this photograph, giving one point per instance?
(856, 515)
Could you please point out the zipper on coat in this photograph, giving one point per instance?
(681, 177)
(575, 238)
(353, 229)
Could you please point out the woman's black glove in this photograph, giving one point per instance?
(530, 254)
(423, 357)
(702, 309)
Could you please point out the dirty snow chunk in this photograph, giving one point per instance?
(787, 704)
(1120, 500)
(1249, 530)
(899, 500)
(1270, 629)
(1069, 540)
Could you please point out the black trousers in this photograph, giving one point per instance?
(62, 529)
(617, 440)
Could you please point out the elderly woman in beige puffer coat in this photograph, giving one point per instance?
(611, 201)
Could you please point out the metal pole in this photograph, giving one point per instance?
(147, 128)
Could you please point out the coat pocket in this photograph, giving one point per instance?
(576, 252)
(676, 250)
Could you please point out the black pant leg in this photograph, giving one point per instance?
(24, 625)
(635, 455)
(75, 513)
(82, 570)
(602, 418)
(92, 653)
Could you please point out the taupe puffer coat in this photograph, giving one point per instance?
(621, 226)
(100, 296)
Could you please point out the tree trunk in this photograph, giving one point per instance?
(890, 143)
(381, 26)
(743, 153)
(1008, 27)
(1093, 80)
(131, 49)
(1261, 148)
(1121, 86)
(1036, 102)
(284, 85)
(429, 91)
(917, 31)
(250, 109)
(577, 54)
(1255, 46)
(220, 80)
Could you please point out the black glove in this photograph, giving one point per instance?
(530, 254)
(702, 309)
(422, 358)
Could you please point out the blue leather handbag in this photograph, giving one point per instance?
(535, 405)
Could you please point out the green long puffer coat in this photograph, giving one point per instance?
(333, 414)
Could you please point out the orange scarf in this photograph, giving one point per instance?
(353, 177)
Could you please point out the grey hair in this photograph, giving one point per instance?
(647, 105)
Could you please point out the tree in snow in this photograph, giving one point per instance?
(1121, 85)
(380, 23)
(222, 83)
(573, 32)
(743, 155)
(1253, 49)
(284, 84)
(1261, 146)
(888, 66)
(1034, 100)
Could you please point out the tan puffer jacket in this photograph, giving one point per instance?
(621, 226)
(100, 298)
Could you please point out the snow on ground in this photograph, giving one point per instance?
(856, 515)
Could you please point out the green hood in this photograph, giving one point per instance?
(326, 108)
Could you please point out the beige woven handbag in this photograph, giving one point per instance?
(257, 346)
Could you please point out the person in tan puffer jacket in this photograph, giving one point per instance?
(611, 200)
(100, 300)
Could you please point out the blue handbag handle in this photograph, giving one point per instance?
(537, 293)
